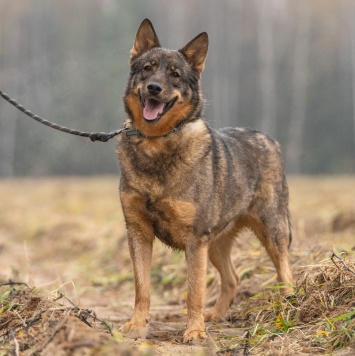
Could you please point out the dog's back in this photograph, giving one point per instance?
(243, 167)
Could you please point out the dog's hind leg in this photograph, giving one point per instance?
(274, 233)
(219, 254)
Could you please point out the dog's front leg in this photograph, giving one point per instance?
(140, 248)
(140, 241)
(196, 257)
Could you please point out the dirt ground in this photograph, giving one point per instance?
(66, 282)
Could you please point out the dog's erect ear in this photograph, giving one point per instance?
(146, 39)
(196, 51)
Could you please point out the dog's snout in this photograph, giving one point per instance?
(154, 88)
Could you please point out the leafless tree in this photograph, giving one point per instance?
(267, 67)
(351, 17)
(299, 87)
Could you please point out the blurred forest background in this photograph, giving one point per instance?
(282, 66)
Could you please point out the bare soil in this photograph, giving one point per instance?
(64, 238)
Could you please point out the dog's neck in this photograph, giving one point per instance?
(131, 130)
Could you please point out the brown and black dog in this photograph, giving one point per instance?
(193, 187)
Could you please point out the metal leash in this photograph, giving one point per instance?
(94, 136)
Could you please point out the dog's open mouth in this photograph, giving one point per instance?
(154, 109)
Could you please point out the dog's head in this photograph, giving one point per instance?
(164, 85)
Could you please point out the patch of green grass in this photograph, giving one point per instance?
(338, 331)
(112, 280)
(5, 304)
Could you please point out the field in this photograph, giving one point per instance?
(66, 282)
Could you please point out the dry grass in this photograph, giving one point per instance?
(66, 237)
(318, 318)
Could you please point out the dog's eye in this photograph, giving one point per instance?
(175, 74)
(147, 68)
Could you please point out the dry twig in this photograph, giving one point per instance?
(17, 346)
(13, 283)
(342, 262)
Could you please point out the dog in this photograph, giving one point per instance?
(193, 187)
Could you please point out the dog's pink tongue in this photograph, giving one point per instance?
(152, 109)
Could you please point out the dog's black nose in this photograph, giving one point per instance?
(154, 88)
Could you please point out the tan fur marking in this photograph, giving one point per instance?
(133, 208)
(163, 125)
(180, 218)
(135, 106)
(181, 211)
(153, 146)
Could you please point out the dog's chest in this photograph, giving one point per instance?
(172, 220)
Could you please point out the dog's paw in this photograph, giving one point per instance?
(133, 330)
(213, 315)
(288, 291)
(193, 335)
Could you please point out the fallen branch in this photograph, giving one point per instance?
(83, 314)
(342, 262)
(13, 283)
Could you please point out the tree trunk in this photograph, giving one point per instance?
(299, 90)
(9, 53)
(267, 68)
(233, 57)
(7, 140)
(352, 38)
